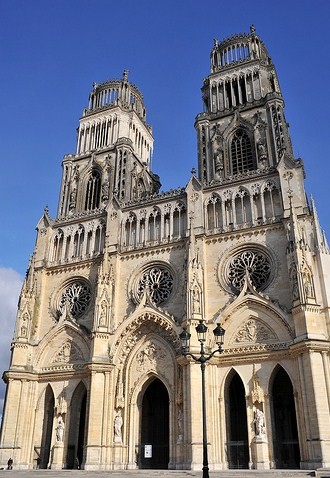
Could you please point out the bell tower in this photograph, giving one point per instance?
(113, 152)
(243, 128)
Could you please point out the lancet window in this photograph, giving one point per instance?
(243, 208)
(179, 220)
(241, 153)
(78, 241)
(58, 245)
(154, 225)
(214, 213)
(93, 189)
(130, 230)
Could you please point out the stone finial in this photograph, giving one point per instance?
(125, 75)
(252, 29)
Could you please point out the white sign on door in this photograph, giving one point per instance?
(147, 451)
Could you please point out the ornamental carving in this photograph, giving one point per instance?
(68, 353)
(253, 331)
(158, 282)
(76, 297)
(150, 357)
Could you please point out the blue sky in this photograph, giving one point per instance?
(53, 50)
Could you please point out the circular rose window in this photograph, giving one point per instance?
(158, 281)
(253, 262)
(77, 296)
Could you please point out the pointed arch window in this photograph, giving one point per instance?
(93, 189)
(241, 153)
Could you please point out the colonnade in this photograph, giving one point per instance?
(235, 90)
(103, 98)
(156, 225)
(81, 243)
(106, 131)
(97, 134)
(233, 209)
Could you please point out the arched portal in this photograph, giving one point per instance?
(76, 436)
(237, 434)
(154, 449)
(284, 422)
(47, 428)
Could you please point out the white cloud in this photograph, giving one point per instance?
(10, 287)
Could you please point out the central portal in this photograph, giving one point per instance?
(154, 449)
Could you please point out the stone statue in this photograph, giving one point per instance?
(118, 425)
(73, 196)
(60, 430)
(259, 421)
(196, 303)
(218, 164)
(262, 153)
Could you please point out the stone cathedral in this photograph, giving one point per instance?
(97, 378)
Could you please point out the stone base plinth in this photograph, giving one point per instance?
(58, 452)
(261, 454)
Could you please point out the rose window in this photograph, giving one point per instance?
(77, 296)
(252, 262)
(158, 281)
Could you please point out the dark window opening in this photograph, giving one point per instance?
(241, 153)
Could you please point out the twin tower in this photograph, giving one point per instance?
(97, 379)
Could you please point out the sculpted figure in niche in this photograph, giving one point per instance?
(118, 425)
(294, 283)
(308, 286)
(218, 164)
(60, 430)
(103, 313)
(262, 152)
(196, 302)
(73, 196)
(259, 422)
(105, 191)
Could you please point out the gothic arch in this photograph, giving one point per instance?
(43, 426)
(286, 448)
(255, 321)
(213, 211)
(237, 124)
(141, 353)
(154, 221)
(241, 152)
(236, 421)
(56, 249)
(243, 211)
(130, 229)
(145, 320)
(76, 422)
(55, 342)
(281, 366)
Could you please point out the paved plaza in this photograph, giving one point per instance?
(161, 474)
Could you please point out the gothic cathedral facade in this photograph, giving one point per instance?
(97, 379)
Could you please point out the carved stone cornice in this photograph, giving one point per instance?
(302, 308)
(150, 251)
(308, 345)
(64, 268)
(238, 233)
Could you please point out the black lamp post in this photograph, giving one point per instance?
(201, 330)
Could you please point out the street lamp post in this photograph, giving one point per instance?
(201, 330)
